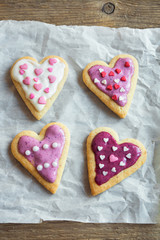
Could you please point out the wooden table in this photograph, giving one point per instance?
(130, 13)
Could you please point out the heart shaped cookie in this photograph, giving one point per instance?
(115, 83)
(39, 83)
(110, 160)
(43, 155)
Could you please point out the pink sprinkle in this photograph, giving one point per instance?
(113, 158)
(50, 69)
(46, 90)
(31, 96)
(21, 71)
(51, 78)
(42, 100)
(52, 61)
(36, 79)
(38, 71)
(37, 86)
(26, 81)
(24, 66)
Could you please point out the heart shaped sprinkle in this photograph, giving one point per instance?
(101, 70)
(113, 158)
(31, 96)
(96, 80)
(118, 79)
(52, 61)
(46, 90)
(24, 66)
(36, 79)
(104, 82)
(21, 71)
(114, 161)
(101, 165)
(114, 148)
(41, 154)
(41, 100)
(103, 74)
(125, 149)
(127, 64)
(51, 78)
(50, 69)
(27, 81)
(38, 86)
(102, 157)
(38, 71)
(105, 140)
(105, 173)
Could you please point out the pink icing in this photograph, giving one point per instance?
(51, 78)
(36, 79)
(46, 90)
(38, 86)
(24, 66)
(111, 75)
(126, 156)
(21, 71)
(27, 81)
(31, 96)
(53, 134)
(38, 71)
(52, 61)
(42, 100)
(50, 69)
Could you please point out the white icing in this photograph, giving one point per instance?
(54, 164)
(105, 173)
(113, 169)
(46, 165)
(122, 89)
(58, 72)
(116, 80)
(35, 148)
(27, 152)
(114, 148)
(104, 82)
(39, 167)
(122, 164)
(96, 80)
(102, 157)
(101, 165)
(105, 140)
(125, 149)
(99, 148)
(45, 146)
(128, 155)
(54, 145)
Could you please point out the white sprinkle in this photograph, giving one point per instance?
(101, 70)
(54, 145)
(121, 98)
(54, 164)
(128, 155)
(105, 140)
(101, 165)
(45, 146)
(39, 167)
(116, 80)
(102, 157)
(104, 173)
(99, 148)
(122, 89)
(114, 148)
(27, 152)
(46, 165)
(35, 148)
(122, 164)
(96, 80)
(104, 82)
(125, 149)
(113, 169)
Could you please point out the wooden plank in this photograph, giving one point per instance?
(130, 13)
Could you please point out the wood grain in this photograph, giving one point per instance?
(130, 13)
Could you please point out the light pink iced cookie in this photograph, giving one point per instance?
(43, 155)
(39, 83)
(115, 83)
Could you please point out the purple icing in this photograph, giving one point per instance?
(107, 151)
(53, 134)
(125, 71)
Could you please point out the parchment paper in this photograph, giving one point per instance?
(134, 200)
